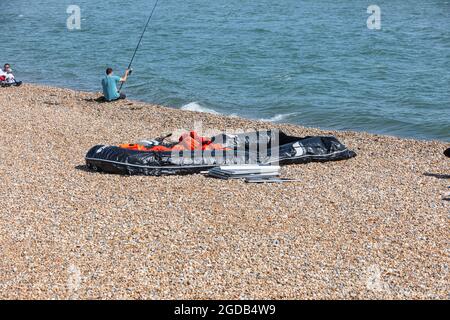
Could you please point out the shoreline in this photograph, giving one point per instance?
(371, 227)
(275, 123)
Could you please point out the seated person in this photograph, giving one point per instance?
(109, 84)
(7, 77)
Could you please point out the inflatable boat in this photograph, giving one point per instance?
(194, 154)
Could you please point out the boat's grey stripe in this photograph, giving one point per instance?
(311, 155)
(152, 167)
(203, 166)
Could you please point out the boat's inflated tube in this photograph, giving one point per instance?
(260, 147)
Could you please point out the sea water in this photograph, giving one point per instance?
(308, 62)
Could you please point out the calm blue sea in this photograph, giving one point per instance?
(307, 62)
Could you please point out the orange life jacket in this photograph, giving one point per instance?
(189, 141)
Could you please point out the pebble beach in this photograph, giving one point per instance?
(372, 227)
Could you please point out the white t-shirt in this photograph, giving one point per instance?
(9, 76)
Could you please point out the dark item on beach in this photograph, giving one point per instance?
(194, 154)
(10, 84)
(447, 153)
(140, 40)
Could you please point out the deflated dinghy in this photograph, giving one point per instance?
(193, 154)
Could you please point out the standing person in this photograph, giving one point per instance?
(109, 84)
(7, 76)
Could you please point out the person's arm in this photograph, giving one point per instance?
(125, 77)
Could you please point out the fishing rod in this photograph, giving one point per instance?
(140, 39)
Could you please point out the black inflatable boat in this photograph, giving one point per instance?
(193, 154)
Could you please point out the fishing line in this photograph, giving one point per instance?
(140, 39)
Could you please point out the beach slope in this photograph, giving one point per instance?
(375, 226)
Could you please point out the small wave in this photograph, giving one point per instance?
(195, 106)
(277, 118)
